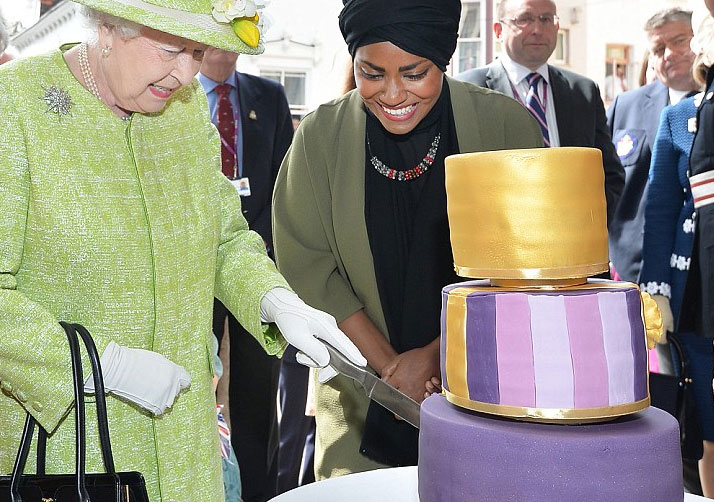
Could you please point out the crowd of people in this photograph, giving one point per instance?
(154, 194)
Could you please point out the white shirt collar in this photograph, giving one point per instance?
(676, 96)
(517, 72)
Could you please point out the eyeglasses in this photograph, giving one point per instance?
(679, 44)
(527, 20)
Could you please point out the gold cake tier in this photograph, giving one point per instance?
(536, 214)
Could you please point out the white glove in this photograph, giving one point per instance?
(667, 317)
(304, 327)
(143, 377)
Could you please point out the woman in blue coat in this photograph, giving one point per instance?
(667, 250)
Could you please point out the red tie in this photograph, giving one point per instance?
(227, 131)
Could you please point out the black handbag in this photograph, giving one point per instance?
(675, 395)
(111, 486)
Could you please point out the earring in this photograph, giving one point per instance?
(106, 50)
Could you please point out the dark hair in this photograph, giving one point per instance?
(666, 16)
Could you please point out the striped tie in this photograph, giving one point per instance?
(535, 105)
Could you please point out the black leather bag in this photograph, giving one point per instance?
(675, 395)
(111, 486)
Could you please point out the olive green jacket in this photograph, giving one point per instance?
(321, 242)
(130, 229)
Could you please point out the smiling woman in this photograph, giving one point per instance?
(360, 199)
(114, 214)
(145, 68)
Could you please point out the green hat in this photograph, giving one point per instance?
(203, 21)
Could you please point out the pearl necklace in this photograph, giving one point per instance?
(88, 76)
(408, 174)
(87, 72)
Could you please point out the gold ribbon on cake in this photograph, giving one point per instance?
(550, 415)
(652, 316)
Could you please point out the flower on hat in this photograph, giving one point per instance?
(244, 16)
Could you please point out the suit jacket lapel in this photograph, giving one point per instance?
(249, 98)
(561, 101)
(656, 99)
(497, 79)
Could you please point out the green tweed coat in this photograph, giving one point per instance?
(130, 229)
(321, 241)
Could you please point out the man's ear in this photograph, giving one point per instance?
(498, 29)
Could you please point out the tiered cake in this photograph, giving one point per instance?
(538, 342)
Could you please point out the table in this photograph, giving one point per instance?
(381, 485)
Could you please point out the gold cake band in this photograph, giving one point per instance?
(550, 415)
(578, 273)
(498, 288)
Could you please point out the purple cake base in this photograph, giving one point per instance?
(465, 456)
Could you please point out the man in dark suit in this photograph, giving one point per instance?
(568, 106)
(253, 119)
(633, 119)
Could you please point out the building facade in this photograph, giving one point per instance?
(602, 39)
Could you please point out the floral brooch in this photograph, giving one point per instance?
(244, 16)
(57, 100)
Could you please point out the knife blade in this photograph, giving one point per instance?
(382, 393)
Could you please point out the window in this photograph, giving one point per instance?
(468, 48)
(294, 84)
(46, 5)
(617, 59)
(560, 54)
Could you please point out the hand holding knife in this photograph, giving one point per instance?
(377, 390)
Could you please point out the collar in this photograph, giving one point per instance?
(676, 96)
(517, 72)
(210, 85)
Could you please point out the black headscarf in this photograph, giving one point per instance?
(425, 28)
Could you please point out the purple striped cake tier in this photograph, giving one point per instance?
(574, 354)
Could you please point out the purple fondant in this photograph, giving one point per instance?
(482, 368)
(618, 347)
(639, 350)
(590, 376)
(442, 342)
(551, 352)
(466, 457)
(516, 382)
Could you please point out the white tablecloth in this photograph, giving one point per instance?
(381, 485)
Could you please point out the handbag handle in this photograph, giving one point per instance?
(80, 439)
(101, 404)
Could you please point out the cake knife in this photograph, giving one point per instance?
(395, 401)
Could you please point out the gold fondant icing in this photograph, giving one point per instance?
(528, 214)
(550, 415)
(456, 344)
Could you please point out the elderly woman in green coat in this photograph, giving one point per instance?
(359, 217)
(114, 214)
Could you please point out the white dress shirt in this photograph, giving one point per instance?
(517, 75)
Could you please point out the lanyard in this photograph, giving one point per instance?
(517, 95)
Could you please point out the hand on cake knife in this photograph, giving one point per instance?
(377, 390)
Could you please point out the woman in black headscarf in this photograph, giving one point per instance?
(360, 220)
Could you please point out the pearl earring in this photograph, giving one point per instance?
(106, 50)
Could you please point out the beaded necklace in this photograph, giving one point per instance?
(408, 174)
